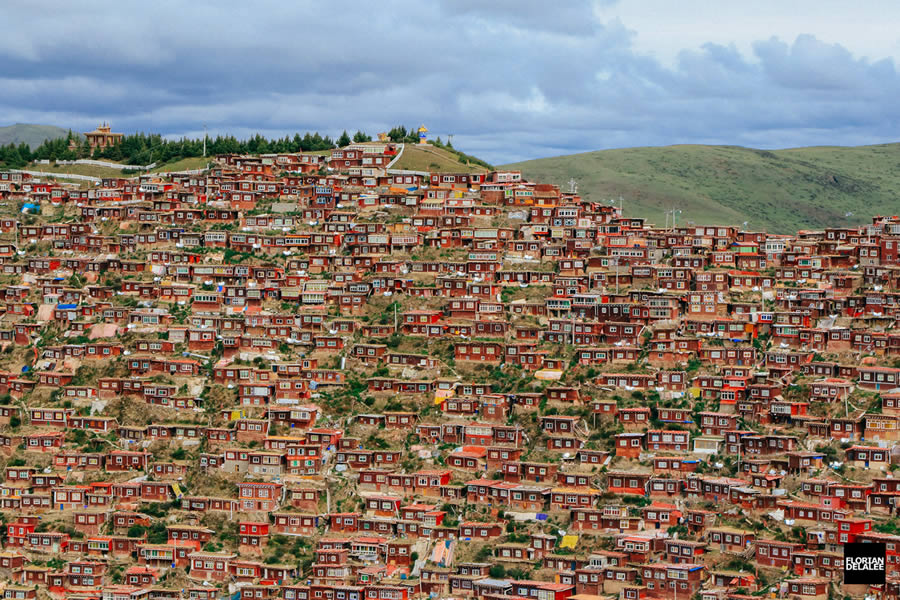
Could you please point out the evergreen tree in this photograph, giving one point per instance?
(85, 150)
(397, 134)
(143, 148)
(24, 152)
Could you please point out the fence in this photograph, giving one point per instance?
(58, 175)
(102, 163)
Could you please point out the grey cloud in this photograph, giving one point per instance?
(510, 80)
(570, 18)
(811, 64)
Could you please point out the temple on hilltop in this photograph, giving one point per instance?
(103, 137)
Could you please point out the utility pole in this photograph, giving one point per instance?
(151, 154)
(204, 140)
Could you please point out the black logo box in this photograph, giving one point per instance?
(865, 564)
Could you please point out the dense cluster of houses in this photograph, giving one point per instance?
(319, 377)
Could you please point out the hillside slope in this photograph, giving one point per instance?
(780, 191)
(33, 135)
(184, 164)
(430, 158)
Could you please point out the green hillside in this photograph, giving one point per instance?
(779, 191)
(423, 157)
(33, 135)
(184, 164)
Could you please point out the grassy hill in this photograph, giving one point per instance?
(185, 164)
(33, 135)
(90, 170)
(779, 191)
(418, 157)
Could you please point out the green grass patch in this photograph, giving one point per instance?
(779, 191)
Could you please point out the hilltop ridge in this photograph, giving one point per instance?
(31, 134)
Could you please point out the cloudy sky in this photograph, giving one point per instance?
(509, 79)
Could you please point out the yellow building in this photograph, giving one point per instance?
(103, 137)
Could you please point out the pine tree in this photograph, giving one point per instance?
(24, 153)
(84, 150)
(398, 134)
